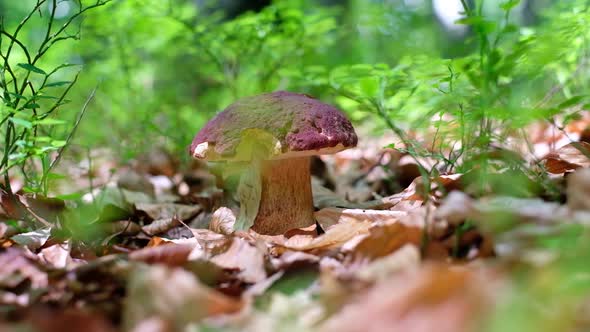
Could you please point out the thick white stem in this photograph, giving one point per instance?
(286, 201)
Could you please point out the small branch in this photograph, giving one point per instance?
(71, 134)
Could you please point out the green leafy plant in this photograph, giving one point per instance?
(32, 95)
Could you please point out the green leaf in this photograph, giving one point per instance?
(249, 194)
(571, 102)
(32, 68)
(50, 122)
(56, 84)
(58, 144)
(508, 5)
(21, 122)
(369, 86)
(31, 106)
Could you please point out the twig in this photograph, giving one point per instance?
(72, 133)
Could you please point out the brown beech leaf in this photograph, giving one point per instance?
(403, 259)
(433, 298)
(33, 240)
(169, 210)
(293, 258)
(20, 269)
(324, 197)
(222, 221)
(335, 236)
(174, 295)
(578, 190)
(568, 158)
(170, 254)
(382, 240)
(9, 208)
(57, 255)
(244, 257)
(68, 320)
(161, 226)
(123, 227)
(330, 216)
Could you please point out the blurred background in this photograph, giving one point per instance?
(163, 67)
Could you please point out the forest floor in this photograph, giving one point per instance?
(150, 246)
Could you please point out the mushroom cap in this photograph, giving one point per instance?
(289, 124)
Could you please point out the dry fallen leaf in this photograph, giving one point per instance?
(169, 210)
(57, 255)
(568, 158)
(404, 259)
(170, 254)
(19, 268)
(174, 295)
(335, 236)
(33, 240)
(433, 298)
(328, 217)
(244, 257)
(161, 226)
(385, 239)
(578, 190)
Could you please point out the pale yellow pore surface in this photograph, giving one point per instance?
(207, 152)
(286, 201)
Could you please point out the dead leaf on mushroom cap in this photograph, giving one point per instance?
(568, 158)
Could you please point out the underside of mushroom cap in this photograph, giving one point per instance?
(294, 124)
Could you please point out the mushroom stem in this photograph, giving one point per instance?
(286, 201)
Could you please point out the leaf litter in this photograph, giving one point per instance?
(166, 253)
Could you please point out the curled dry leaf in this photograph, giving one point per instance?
(174, 295)
(222, 221)
(210, 243)
(568, 158)
(244, 257)
(433, 298)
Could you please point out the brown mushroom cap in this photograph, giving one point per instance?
(298, 124)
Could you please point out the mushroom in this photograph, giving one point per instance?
(271, 138)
